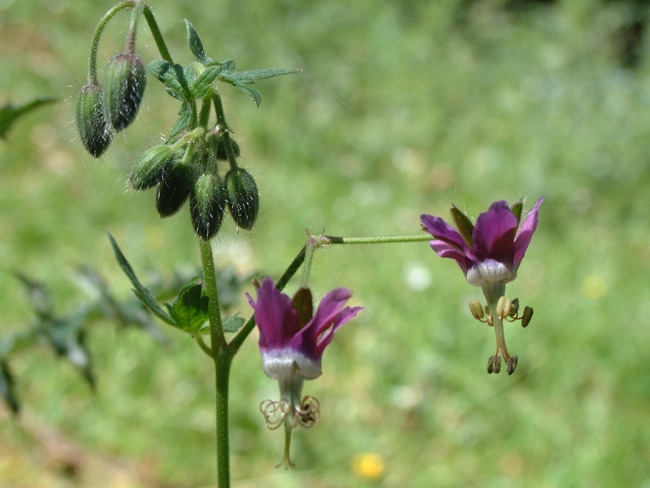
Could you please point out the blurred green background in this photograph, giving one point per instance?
(404, 107)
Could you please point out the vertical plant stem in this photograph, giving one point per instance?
(222, 360)
(222, 363)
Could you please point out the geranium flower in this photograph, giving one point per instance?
(489, 253)
(292, 342)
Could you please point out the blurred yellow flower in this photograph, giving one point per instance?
(594, 287)
(369, 465)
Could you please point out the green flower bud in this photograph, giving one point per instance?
(207, 205)
(219, 147)
(174, 189)
(126, 79)
(95, 133)
(243, 198)
(151, 168)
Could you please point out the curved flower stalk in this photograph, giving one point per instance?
(292, 341)
(489, 253)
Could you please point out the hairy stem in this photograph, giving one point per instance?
(157, 35)
(94, 45)
(222, 125)
(378, 239)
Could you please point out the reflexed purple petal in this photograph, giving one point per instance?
(442, 231)
(325, 338)
(328, 316)
(445, 250)
(525, 234)
(494, 234)
(275, 316)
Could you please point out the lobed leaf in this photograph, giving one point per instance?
(190, 308)
(202, 84)
(254, 94)
(196, 46)
(186, 119)
(143, 294)
(251, 76)
(172, 76)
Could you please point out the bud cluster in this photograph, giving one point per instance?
(189, 169)
(104, 109)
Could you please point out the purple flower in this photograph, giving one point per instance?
(292, 341)
(489, 253)
(492, 250)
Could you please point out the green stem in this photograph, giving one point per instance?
(310, 248)
(218, 339)
(94, 45)
(222, 125)
(157, 35)
(133, 27)
(239, 339)
(378, 239)
(203, 345)
(204, 114)
(222, 363)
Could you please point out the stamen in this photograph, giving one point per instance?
(274, 412)
(494, 364)
(504, 306)
(309, 412)
(514, 308)
(525, 318)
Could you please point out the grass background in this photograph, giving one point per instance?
(404, 107)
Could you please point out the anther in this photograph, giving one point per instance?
(525, 318)
(514, 309)
(512, 364)
(494, 364)
(477, 309)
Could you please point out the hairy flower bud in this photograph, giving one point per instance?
(95, 133)
(126, 79)
(151, 168)
(174, 189)
(207, 205)
(219, 147)
(243, 198)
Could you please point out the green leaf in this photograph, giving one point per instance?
(202, 84)
(233, 323)
(464, 225)
(251, 76)
(9, 113)
(196, 46)
(172, 76)
(186, 119)
(7, 390)
(192, 71)
(254, 94)
(190, 308)
(143, 294)
(227, 65)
